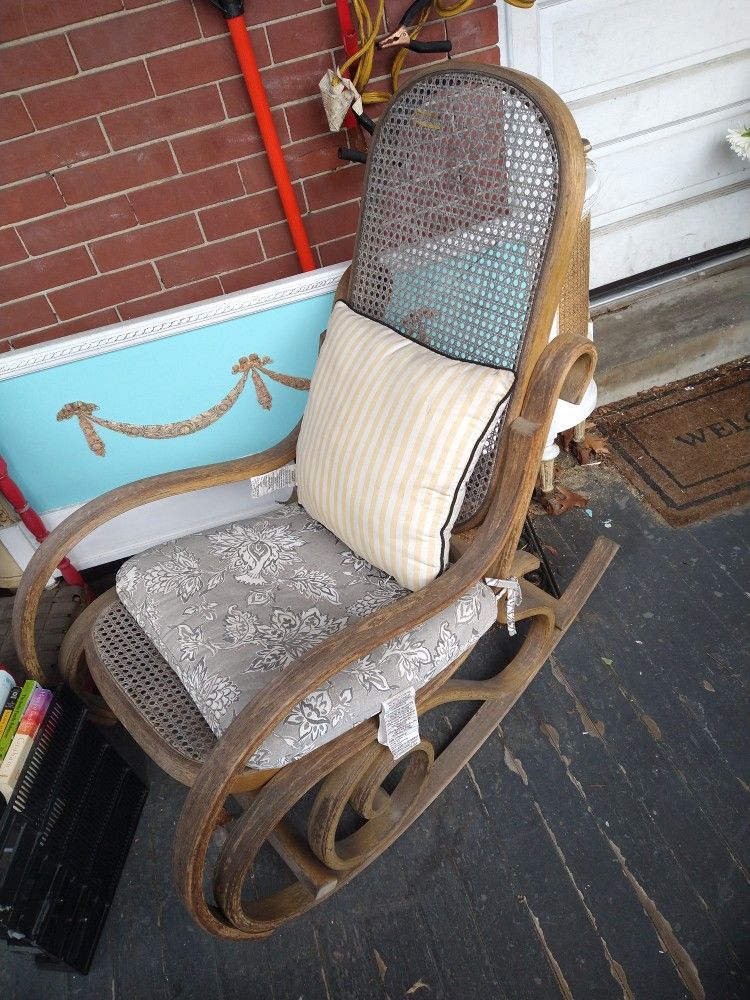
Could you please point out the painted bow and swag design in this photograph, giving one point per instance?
(253, 366)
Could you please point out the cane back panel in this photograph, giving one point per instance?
(461, 192)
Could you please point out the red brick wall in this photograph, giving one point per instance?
(133, 175)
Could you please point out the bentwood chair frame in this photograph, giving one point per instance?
(351, 769)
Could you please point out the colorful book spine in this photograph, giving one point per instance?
(6, 686)
(29, 687)
(15, 758)
(7, 711)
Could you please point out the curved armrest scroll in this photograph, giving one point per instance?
(102, 509)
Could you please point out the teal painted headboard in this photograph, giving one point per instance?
(167, 383)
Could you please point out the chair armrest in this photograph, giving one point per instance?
(102, 509)
(563, 371)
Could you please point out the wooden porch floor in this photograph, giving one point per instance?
(597, 846)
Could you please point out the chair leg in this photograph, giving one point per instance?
(547, 467)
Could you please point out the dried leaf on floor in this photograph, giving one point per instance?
(382, 967)
(419, 985)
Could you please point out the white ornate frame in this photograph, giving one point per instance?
(105, 339)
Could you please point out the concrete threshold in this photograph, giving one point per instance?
(673, 332)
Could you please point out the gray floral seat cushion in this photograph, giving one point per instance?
(230, 608)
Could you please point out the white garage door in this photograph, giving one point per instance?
(654, 85)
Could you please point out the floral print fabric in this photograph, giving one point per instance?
(231, 608)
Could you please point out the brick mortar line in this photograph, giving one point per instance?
(162, 289)
(154, 260)
(199, 224)
(157, 272)
(223, 103)
(73, 55)
(54, 311)
(91, 241)
(104, 132)
(145, 187)
(63, 28)
(51, 326)
(262, 244)
(327, 243)
(145, 56)
(152, 184)
(242, 182)
(14, 227)
(127, 107)
(175, 161)
(117, 307)
(166, 138)
(113, 14)
(150, 81)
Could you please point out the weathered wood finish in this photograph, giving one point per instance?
(351, 769)
(104, 508)
(72, 663)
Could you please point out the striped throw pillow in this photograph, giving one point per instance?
(390, 435)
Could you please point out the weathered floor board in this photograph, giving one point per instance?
(597, 848)
(642, 823)
(659, 651)
(555, 942)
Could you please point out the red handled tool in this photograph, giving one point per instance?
(351, 44)
(234, 12)
(12, 493)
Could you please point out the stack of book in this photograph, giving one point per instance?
(22, 711)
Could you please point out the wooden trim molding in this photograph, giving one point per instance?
(170, 322)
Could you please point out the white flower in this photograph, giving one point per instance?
(739, 140)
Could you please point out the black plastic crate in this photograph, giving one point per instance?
(64, 837)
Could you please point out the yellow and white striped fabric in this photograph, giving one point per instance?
(389, 437)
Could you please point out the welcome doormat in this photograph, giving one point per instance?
(686, 445)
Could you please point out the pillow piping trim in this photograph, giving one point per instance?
(427, 347)
(464, 474)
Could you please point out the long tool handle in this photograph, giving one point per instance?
(257, 92)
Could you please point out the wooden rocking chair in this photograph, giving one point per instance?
(491, 161)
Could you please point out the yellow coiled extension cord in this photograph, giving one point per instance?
(368, 27)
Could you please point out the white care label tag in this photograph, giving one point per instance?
(399, 723)
(514, 597)
(277, 479)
